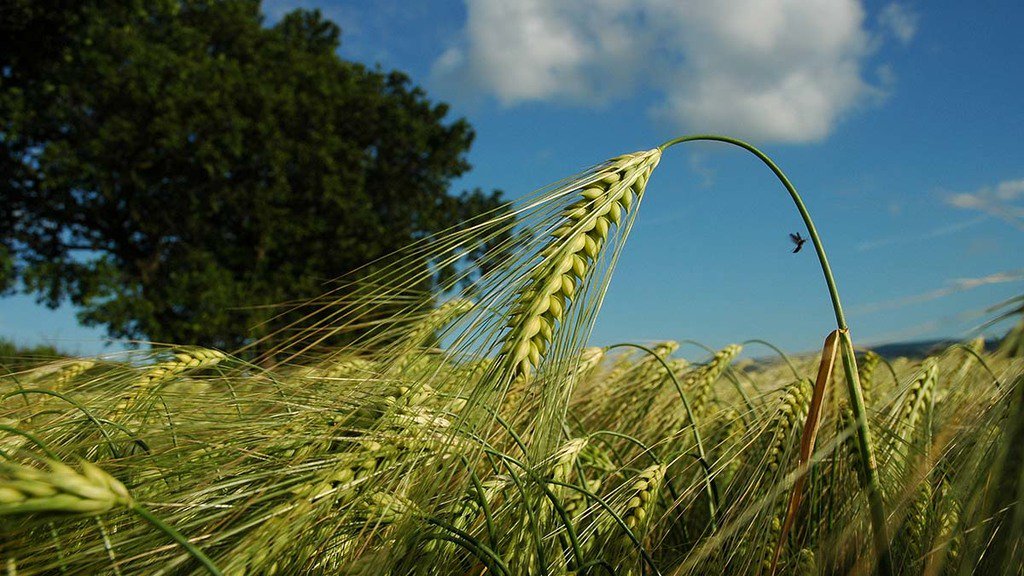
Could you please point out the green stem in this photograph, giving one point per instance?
(781, 354)
(709, 482)
(177, 537)
(874, 493)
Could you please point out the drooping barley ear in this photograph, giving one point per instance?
(917, 399)
(767, 544)
(949, 537)
(575, 501)
(701, 381)
(60, 489)
(850, 444)
(560, 470)
(590, 358)
(263, 549)
(650, 373)
(341, 368)
(389, 508)
(426, 329)
(806, 563)
(268, 548)
(792, 411)
(70, 372)
(567, 260)
(185, 360)
(643, 494)
(563, 462)
(469, 514)
(975, 348)
(637, 511)
(916, 532)
(729, 442)
(866, 371)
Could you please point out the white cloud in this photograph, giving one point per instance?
(537, 50)
(900, 21)
(763, 69)
(1002, 201)
(954, 286)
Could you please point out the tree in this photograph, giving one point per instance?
(173, 167)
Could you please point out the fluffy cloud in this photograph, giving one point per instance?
(765, 69)
(524, 50)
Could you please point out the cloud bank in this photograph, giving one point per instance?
(778, 70)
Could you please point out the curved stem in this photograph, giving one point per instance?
(701, 455)
(812, 232)
(796, 374)
(869, 466)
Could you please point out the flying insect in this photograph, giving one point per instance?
(798, 240)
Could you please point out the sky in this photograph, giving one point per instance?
(899, 122)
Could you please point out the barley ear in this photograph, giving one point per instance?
(568, 259)
(59, 489)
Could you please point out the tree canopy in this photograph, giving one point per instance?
(173, 167)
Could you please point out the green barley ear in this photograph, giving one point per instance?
(590, 358)
(649, 373)
(850, 445)
(185, 360)
(567, 260)
(700, 381)
(916, 527)
(866, 371)
(806, 564)
(643, 494)
(59, 489)
(949, 539)
(70, 372)
(636, 510)
(791, 413)
(917, 398)
(409, 349)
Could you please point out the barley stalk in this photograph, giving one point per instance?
(869, 469)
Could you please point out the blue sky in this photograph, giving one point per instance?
(899, 122)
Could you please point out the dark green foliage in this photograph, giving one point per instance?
(14, 357)
(174, 167)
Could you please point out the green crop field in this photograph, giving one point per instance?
(472, 430)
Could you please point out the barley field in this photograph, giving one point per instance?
(473, 430)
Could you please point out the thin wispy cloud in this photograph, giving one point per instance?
(1004, 201)
(946, 325)
(930, 235)
(953, 287)
(900, 21)
(762, 70)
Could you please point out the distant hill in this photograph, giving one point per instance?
(921, 348)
